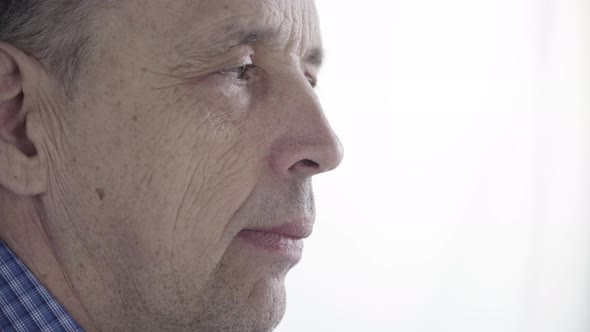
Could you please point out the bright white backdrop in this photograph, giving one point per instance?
(462, 203)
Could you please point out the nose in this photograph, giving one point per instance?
(307, 144)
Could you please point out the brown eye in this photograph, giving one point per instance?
(241, 73)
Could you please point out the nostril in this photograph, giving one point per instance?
(310, 163)
(305, 163)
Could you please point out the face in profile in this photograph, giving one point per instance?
(179, 175)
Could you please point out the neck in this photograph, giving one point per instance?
(23, 229)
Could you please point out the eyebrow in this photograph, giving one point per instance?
(234, 36)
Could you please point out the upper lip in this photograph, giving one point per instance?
(299, 229)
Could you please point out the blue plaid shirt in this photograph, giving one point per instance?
(25, 305)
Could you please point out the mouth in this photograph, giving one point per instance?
(284, 240)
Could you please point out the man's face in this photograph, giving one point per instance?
(195, 122)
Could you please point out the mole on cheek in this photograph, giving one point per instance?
(100, 193)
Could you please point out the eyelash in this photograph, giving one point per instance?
(312, 82)
(249, 68)
(241, 70)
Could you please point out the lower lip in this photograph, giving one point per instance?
(274, 243)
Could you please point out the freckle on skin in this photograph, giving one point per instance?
(134, 118)
(100, 193)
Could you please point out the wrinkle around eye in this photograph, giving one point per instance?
(241, 74)
(198, 64)
(188, 75)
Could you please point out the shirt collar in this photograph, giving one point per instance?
(25, 304)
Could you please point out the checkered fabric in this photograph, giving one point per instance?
(25, 305)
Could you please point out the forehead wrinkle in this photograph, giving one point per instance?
(237, 32)
(305, 39)
(235, 35)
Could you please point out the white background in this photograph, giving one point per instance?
(462, 203)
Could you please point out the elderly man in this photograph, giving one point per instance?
(156, 161)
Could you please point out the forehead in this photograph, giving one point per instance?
(289, 11)
(294, 22)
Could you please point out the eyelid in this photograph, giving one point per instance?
(240, 75)
(312, 79)
(239, 69)
(245, 60)
(311, 74)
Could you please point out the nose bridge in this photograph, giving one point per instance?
(301, 102)
(307, 144)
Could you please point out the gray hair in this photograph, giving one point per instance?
(56, 32)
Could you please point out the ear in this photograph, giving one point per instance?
(21, 170)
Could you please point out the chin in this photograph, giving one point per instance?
(266, 304)
(248, 301)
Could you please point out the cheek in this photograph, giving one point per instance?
(196, 174)
(166, 170)
(224, 90)
(163, 174)
(199, 175)
(228, 104)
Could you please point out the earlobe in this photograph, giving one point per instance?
(19, 173)
(21, 170)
